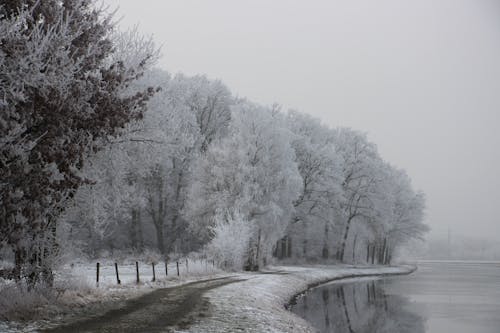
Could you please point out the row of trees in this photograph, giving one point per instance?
(205, 171)
(99, 150)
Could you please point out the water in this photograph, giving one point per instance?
(449, 297)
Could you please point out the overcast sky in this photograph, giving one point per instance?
(421, 77)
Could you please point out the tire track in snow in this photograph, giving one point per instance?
(159, 311)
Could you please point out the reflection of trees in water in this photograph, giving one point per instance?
(358, 308)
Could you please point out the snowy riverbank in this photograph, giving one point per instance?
(249, 302)
(257, 304)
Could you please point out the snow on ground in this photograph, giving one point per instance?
(257, 304)
(254, 304)
(77, 295)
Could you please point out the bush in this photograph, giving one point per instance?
(18, 302)
(230, 243)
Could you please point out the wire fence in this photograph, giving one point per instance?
(113, 273)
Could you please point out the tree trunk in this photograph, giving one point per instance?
(49, 251)
(354, 248)
(368, 253)
(382, 252)
(174, 233)
(325, 253)
(374, 248)
(283, 248)
(344, 239)
(257, 255)
(176, 205)
(253, 258)
(19, 262)
(158, 213)
(140, 237)
(33, 258)
(159, 236)
(133, 228)
(285, 253)
(386, 254)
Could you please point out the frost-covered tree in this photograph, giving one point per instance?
(250, 175)
(62, 95)
(394, 218)
(406, 216)
(194, 111)
(320, 189)
(111, 203)
(210, 102)
(154, 156)
(207, 104)
(360, 161)
(114, 194)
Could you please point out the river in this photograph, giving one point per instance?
(440, 297)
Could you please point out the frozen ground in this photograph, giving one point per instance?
(245, 302)
(77, 296)
(257, 304)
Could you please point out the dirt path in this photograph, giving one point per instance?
(158, 311)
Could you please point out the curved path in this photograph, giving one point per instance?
(159, 311)
(255, 304)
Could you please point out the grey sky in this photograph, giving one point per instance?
(422, 77)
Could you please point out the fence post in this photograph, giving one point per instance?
(187, 266)
(177, 268)
(154, 275)
(166, 268)
(137, 271)
(97, 275)
(117, 276)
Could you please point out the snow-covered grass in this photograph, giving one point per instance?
(86, 273)
(254, 304)
(77, 295)
(257, 304)
(19, 303)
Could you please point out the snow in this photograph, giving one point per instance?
(77, 295)
(127, 272)
(257, 304)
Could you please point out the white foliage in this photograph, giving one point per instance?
(252, 171)
(231, 236)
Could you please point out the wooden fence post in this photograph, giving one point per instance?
(154, 275)
(117, 276)
(177, 268)
(166, 267)
(187, 266)
(137, 271)
(368, 253)
(97, 275)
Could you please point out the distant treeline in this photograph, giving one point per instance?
(459, 248)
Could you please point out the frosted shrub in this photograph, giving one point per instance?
(230, 243)
(18, 302)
